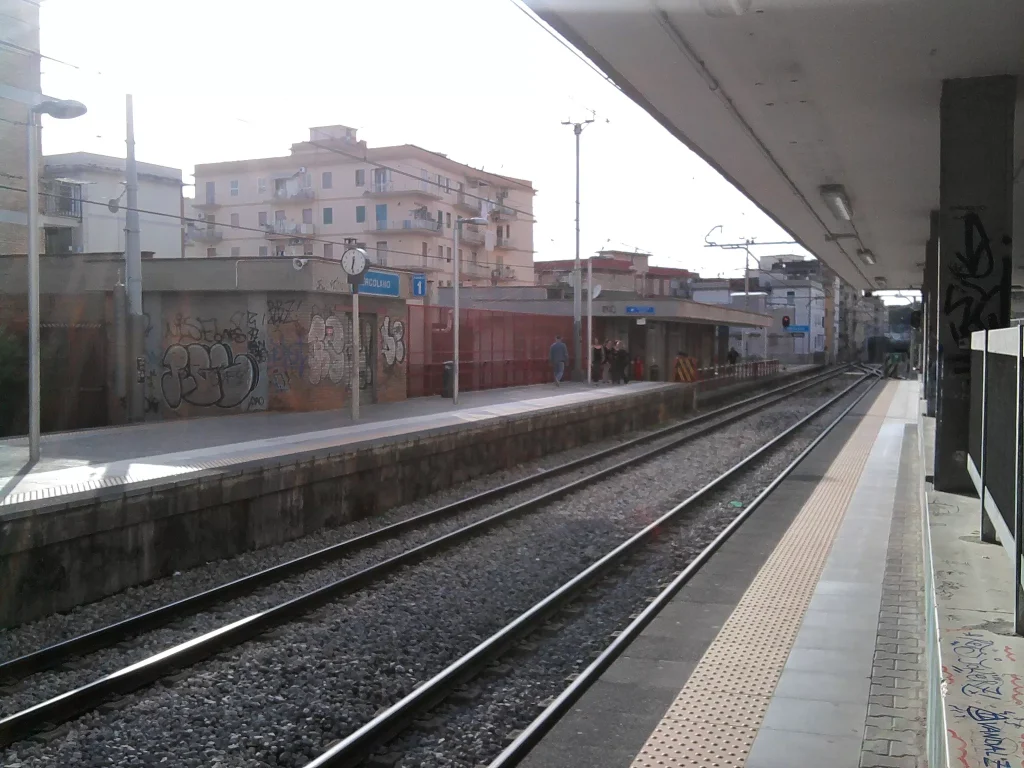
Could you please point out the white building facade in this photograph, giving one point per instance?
(401, 203)
(79, 217)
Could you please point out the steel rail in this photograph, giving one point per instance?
(357, 746)
(71, 703)
(112, 634)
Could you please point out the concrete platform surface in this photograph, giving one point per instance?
(800, 643)
(77, 462)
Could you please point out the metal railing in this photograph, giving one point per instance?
(472, 235)
(995, 455)
(285, 228)
(61, 199)
(714, 376)
(429, 225)
(504, 242)
(205, 235)
(411, 186)
(298, 195)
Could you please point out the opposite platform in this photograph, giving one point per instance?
(799, 643)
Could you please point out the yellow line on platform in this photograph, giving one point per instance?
(715, 719)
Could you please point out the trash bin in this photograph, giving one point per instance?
(448, 380)
(655, 372)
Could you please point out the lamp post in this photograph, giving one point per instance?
(459, 221)
(577, 273)
(62, 110)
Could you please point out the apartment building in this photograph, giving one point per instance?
(399, 202)
(79, 217)
(619, 272)
(19, 85)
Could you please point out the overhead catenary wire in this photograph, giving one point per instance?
(262, 231)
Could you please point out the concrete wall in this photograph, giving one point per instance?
(215, 353)
(52, 560)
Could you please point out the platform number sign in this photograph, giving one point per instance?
(785, 321)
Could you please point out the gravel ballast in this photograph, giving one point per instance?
(280, 699)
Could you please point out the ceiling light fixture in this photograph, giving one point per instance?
(880, 282)
(866, 256)
(834, 196)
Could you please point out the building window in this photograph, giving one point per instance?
(382, 253)
(360, 214)
(449, 249)
(307, 215)
(235, 251)
(307, 247)
(508, 231)
(328, 215)
(460, 256)
(211, 253)
(472, 255)
(261, 186)
(440, 219)
(264, 250)
(262, 218)
(326, 180)
(448, 220)
(278, 215)
(425, 247)
(234, 219)
(211, 191)
(381, 212)
(234, 187)
(328, 250)
(440, 253)
(360, 177)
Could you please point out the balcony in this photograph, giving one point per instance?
(61, 199)
(399, 187)
(505, 243)
(467, 204)
(405, 225)
(297, 195)
(284, 228)
(204, 235)
(503, 213)
(472, 235)
(209, 204)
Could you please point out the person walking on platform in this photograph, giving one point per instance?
(733, 356)
(559, 356)
(596, 362)
(620, 364)
(608, 361)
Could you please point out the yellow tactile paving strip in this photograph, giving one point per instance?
(715, 718)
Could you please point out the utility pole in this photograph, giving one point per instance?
(133, 268)
(577, 273)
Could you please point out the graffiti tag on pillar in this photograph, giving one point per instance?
(207, 375)
(968, 303)
(328, 349)
(392, 341)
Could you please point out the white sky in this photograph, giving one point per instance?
(218, 80)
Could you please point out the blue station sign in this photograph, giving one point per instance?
(381, 284)
(634, 310)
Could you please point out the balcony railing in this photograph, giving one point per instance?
(503, 213)
(412, 225)
(205, 234)
(61, 199)
(472, 235)
(505, 243)
(420, 187)
(468, 204)
(300, 195)
(285, 228)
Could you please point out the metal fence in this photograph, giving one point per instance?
(496, 349)
(995, 457)
(716, 376)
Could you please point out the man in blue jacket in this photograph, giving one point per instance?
(559, 356)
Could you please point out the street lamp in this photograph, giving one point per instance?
(459, 221)
(62, 110)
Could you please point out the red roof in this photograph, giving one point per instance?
(610, 265)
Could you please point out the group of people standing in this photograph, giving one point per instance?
(610, 361)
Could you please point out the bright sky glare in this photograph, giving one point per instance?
(217, 80)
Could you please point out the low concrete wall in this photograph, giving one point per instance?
(55, 558)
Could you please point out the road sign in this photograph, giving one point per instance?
(641, 321)
(799, 329)
(632, 310)
(419, 285)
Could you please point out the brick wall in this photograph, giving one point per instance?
(20, 24)
(215, 353)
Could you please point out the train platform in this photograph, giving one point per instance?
(73, 463)
(802, 642)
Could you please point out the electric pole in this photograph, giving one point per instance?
(577, 273)
(133, 268)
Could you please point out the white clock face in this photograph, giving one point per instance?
(353, 261)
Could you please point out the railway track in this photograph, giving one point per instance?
(74, 702)
(404, 714)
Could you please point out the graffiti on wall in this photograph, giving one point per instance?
(392, 342)
(972, 296)
(207, 375)
(329, 351)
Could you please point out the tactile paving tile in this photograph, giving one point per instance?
(715, 719)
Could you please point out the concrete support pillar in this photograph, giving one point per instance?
(930, 321)
(974, 269)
